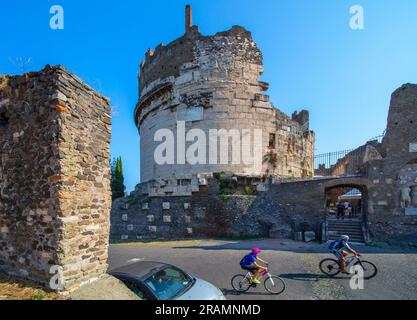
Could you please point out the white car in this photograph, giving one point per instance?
(160, 281)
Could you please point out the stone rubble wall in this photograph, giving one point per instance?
(205, 214)
(29, 155)
(54, 177)
(216, 85)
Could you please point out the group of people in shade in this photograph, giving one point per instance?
(344, 209)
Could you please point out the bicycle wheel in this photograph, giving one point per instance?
(240, 283)
(274, 285)
(369, 269)
(330, 267)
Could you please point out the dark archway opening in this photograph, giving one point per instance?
(4, 120)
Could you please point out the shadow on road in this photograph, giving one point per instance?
(307, 276)
(228, 292)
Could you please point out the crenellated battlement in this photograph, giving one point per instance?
(167, 60)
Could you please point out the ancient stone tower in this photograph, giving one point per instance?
(213, 82)
(54, 178)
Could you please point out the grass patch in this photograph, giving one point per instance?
(249, 191)
(39, 295)
(225, 197)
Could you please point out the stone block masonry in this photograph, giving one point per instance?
(205, 214)
(54, 177)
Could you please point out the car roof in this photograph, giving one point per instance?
(140, 269)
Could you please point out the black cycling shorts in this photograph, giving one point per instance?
(251, 269)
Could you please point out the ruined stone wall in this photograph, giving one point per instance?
(396, 172)
(54, 177)
(214, 82)
(204, 215)
(400, 138)
(388, 221)
(269, 213)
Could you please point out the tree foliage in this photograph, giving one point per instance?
(117, 183)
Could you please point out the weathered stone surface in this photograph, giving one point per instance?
(266, 214)
(309, 236)
(53, 150)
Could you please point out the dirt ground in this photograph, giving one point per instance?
(16, 289)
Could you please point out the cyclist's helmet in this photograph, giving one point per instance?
(256, 251)
(344, 238)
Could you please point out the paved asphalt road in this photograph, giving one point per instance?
(296, 262)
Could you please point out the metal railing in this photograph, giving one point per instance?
(328, 160)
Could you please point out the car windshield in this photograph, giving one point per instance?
(168, 283)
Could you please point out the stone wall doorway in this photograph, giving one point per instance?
(351, 216)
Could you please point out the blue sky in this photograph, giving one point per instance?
(312, 58)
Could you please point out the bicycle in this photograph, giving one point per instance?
(272, 283)
(331, 267)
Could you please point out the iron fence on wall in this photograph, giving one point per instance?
(331, 158)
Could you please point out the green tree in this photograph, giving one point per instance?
(117, 184)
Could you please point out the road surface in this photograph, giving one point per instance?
(296, 262)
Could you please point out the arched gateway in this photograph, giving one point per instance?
(346, 207)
